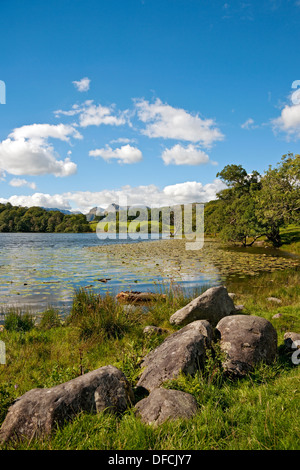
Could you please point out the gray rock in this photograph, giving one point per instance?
(277, 315)
(291, 341)
(239, 308)
(212, 305)
(274, 300)
(163, 405)
(232, 295)
(246, 341)
(40, 410)
(150, 329)
(183, 351)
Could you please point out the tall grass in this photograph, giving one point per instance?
(16, 320)
(100, 316)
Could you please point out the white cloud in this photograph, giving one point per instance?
(18, 182)
(122, 140)
(83, 84)
(91, 114)
(179, 155)
(58, 201)
(72, 112)
(248, 124)
(288, 122)
(151, 195)
(193, 191)
(27, 151)
(125, 154)
(41, 132)
(162, 120)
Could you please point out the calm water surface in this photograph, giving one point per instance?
(42, 269)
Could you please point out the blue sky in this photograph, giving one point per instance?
(147, 99)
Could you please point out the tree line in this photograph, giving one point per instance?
(255, 205)
(37, 219)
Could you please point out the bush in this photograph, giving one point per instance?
(17, 321)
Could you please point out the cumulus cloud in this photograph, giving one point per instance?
(58, 201)
(162, 120)
(27, 150)
(179, 155)
(125, 154)
(91, 114)
(150, 195)
(193, 191)
(288, 122)
(83, 84)
(18, 182)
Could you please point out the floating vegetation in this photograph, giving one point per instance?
(169, 258)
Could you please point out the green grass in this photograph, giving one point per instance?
(258, 412)
(291, 239)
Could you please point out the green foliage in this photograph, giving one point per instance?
(253, 206)
(278, 201)
(37, 219)
(7, 396)
(58, 375)
(18, 321)
(50, 319)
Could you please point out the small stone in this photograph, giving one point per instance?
(154, 330)
(277, 315)
(291, 341)
(275, 300)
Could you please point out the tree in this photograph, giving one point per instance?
(236, 211)
(252, 205)
(37, 219)
(278, 201)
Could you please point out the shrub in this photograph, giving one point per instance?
(18, 321)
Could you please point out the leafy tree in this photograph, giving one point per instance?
(236, 209)
(278, 201)
(253, 205)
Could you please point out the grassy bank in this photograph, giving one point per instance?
(258, 412)
(291, 239)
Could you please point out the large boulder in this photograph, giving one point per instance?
(212, 305)
(183, 351)
(246, 340)
(38, 411)
(163, 405)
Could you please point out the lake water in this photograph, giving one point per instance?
(42, 269)
(38, 270)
